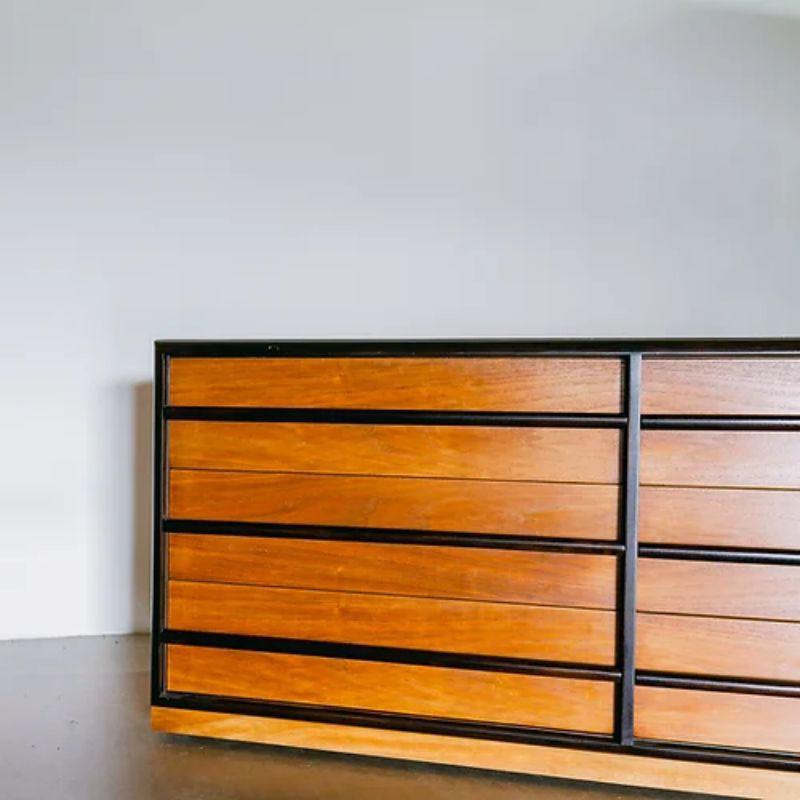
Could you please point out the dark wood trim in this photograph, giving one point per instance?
(626, 604)
(159, 554)
(733, 685)
(394, 417)
(730, 555)
(392, 536)
(410, 348)
(393, 655)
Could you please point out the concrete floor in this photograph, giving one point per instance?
(74, 726)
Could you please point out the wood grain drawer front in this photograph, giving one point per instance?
(461, 573)
(718, 718)
(436, 384)
(732, 648)
(454, 626)
(485, 453)
(735, 459)
(753, 591)
(501, 507)
(400, 688)
(720, 517)
(473, 479)
(722, 386)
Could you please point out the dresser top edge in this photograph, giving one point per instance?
(471, 347)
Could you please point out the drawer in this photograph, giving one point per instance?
(573, 385)
(726, 648)
(752, 591)
(754, 721)
(722, 386)
(541, 481)
(463, 573)
(720, 517)
(456, 626)
(734, 459)
(421, 451)
(530, 700)
(513, 508)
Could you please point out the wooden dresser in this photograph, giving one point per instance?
(569, 558)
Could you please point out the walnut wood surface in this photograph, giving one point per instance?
(721, 718)
(749, 386)
(562, 762)
(713, 488)
(456, 384)
(759, 459)
(530, 454)
(720, 517)
(428, 504)
(566, 703)
(508, 507)
(757, 591)
(465, 573)
(458, 626)
(737, 648)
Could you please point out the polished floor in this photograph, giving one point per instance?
(74, 726)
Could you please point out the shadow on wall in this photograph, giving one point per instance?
(120, 504)
(142, 429)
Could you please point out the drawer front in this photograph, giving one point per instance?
(495, 697)
(752, 591)
(512, 508)
(742, 518)
(721, 386)
(421, 451)
(725, 648)
(442, 384)
(721, 488)
(463, 573)
(455, 626)
(718, 718)
(730, 459)
(471, 479)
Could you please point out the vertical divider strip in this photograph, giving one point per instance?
(626, 609)
(157, 671)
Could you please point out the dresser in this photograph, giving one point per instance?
(572, 558)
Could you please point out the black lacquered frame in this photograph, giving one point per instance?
(626, 548)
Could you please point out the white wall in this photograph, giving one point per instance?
(357, 169)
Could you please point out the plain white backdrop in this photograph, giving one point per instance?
(353, 169)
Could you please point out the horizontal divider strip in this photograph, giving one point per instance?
(733, 423)
(732, 555)
(391, 536)
(323, 348)
(474, 730)
(393, 655)
(390, 417)
(383, 719)
(738, 756)
(408, 348)
(673, 680)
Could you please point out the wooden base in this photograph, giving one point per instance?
(557, 762)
